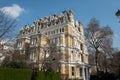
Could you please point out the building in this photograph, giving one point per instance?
(69, 36)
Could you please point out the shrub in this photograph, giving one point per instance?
(15, 74)
(25, 74)
(14, 64)
(48, 75)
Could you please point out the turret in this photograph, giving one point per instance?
(71, 16)
(80, 28)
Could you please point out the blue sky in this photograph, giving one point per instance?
(84, 10)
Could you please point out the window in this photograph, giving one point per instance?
(51, 32)
(79, 29)
(81, 72)
(82, 58)
(72, 56)
(79, 57)
(47, 53)
(59, 50)
(53, 40)
(38, 23)
(56, 30)
(33, 41)
(81, 46)
(48, 33)
(58, 41)
(71, 51)
(23, 33)
(41, 26)
(62, 29)
(32, 56)
(75, 41)
(28, 31)
(19, 44)
(34, 28)
(85, 71)
(72, 71)
(45, 33)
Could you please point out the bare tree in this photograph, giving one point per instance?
(7, 26)
(52, 57)
(96, 36)
(106, 54)
(115, 63)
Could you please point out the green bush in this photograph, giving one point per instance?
(25, 74)
(48, 75)
(15, 74)
(13, 64)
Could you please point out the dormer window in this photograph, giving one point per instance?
(23, 33)
(19, 45)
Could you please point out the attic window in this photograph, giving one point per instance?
(23, 33)
(38, 23)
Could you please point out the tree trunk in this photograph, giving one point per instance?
(106, 64)
(96, 61)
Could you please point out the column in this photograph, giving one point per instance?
(83, 72)
(87, 74)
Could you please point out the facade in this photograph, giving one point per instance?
(66, 33)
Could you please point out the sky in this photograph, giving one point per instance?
(27, 11)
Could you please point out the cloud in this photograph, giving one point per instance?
(13, 11)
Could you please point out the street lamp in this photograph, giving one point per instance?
(118, 15)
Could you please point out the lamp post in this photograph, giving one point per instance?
(118, 15)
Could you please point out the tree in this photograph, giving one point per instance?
(116, 63)
(106, 54)
(15, 60)
(96, 36)
(7, 35)
(52, 57)
(7, 24)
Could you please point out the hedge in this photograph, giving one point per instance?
(25, 74)
(48, 76)
(15, 74)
